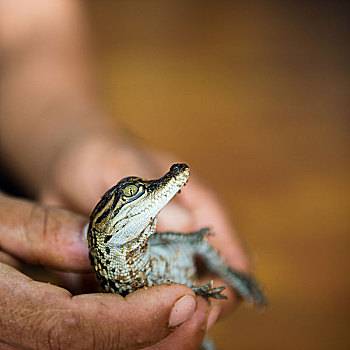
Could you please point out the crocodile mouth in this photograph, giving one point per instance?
(165, 188)
(177, 176)
(161, 191)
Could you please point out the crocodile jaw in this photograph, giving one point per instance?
(135, 217)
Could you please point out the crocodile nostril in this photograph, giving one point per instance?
(178, 168)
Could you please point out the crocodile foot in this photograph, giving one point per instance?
(208, 291)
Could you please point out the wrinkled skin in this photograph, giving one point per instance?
(61, 146)
(54, 238)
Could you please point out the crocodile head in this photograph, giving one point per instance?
(132, 205)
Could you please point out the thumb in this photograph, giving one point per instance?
(43, 235)
(38, 314)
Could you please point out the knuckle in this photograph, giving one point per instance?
(68, 331)
(43, 232)
(35, 228)
(74, 331)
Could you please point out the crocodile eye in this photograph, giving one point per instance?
(130, 190)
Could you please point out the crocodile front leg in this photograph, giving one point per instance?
(208, 291)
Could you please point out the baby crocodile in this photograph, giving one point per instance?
(127, 253)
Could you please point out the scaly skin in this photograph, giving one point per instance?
(127, 253)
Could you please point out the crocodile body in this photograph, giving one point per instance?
(127, 253)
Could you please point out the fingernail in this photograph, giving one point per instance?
(213, 316)
(85, 232)
(182, 310)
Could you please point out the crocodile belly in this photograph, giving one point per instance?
(172, 262)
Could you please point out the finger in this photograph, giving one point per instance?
(76, 283)
(208, 212)
(190, 335)
(43, 235)
(4, 346)
(175, 217)
(39, 315)
(94, 165)
(9, 260)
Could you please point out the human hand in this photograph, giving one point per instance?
(89, 169)
(40, 315)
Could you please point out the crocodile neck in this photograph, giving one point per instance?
(135, 258)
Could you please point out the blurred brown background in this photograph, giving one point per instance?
(254, 96)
